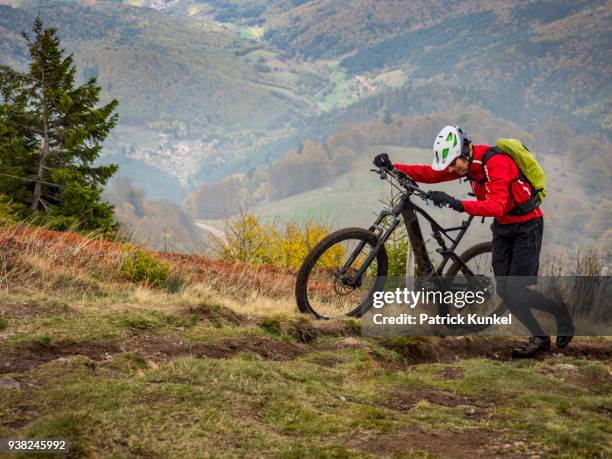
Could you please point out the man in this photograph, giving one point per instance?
(503, 193)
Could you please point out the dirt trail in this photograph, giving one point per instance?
(456, 348)
(162, 348)
(156, 348)
(487, 443)
(34, 354)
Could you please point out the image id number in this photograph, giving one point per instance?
(9, 445)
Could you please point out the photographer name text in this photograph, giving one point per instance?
(427, 319)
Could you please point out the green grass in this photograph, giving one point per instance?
(340, 96)
(299, 328)
(148, 399)
(251, 33)
(243, 406)
(266, 54)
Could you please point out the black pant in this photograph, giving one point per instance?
(516, 260)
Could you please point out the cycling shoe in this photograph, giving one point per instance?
(565, 328)
(534, 345)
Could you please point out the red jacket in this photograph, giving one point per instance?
(493, 196)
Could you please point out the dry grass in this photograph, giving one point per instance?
(84, 265)
(258, 304)
(238, 280)
(37, 257)
(590, 263)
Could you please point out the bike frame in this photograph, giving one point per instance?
(408, 210)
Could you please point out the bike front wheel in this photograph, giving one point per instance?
(327, 285)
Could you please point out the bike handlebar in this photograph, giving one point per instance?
(405, 181)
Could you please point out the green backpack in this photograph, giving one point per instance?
(530, 170)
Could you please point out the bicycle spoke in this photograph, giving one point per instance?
(333, 290)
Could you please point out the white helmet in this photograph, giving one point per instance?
(451, 142)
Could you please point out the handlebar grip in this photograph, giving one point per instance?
(403, 179)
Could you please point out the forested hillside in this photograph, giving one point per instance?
(208, 86)
(163, 69)
(528, 54)
(222, 98)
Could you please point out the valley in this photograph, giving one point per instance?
(213, 90)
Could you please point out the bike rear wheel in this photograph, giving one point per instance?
(476, 272)
(325, 285)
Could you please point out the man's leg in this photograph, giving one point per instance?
(523, 270)
(505, 240)
(501, 255)
(526, 261)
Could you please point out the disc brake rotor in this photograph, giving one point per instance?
(343, 283)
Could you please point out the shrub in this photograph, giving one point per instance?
(262, 68)
(251, 241)
(141, 267)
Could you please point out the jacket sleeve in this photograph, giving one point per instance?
(500, 173)
(426, 174)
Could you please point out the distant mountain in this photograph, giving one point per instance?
(157, 224)
(212, 88)
(161, 68)
(190, 88)
(546, 55)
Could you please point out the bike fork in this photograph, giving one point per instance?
(383, 236)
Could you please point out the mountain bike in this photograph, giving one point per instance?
(343, 271)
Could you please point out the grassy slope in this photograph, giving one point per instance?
(351, 199)
(128, 371)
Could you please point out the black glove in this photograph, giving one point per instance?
(383, 160)
(441, 199)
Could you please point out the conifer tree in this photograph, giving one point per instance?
(64, 129)
(16, 144)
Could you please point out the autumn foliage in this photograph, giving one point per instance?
(80, 264)
(248, 240)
